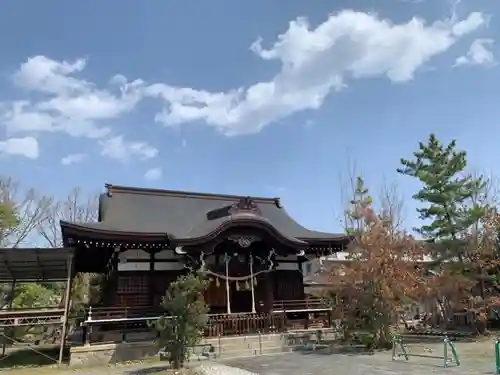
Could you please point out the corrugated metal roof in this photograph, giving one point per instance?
(34, 264)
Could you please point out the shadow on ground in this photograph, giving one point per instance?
(34, 357)
(149, 370)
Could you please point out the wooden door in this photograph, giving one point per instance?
(215, 296)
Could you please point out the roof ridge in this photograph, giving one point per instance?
(192, 194)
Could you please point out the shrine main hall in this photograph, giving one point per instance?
(250, 249)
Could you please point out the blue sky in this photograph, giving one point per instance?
(256, 98)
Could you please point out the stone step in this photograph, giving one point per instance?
(240, 345)
(239, 353)
(234, 339)
(252, 353)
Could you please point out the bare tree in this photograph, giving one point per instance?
(75, 208)
(29, 207)
(392, 208)
(486, 198)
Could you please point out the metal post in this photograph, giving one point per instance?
(251, 284)
(219, 344)
(497, 357)
(228, 294)
(88, 325)
(445, 352)
(260, 343)
(66, 307)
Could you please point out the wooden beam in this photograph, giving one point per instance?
(66, 307)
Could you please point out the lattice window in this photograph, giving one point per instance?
(288, 286)
(132, 284)
(131, 300)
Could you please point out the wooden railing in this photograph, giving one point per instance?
(241, 324)
(127, 322)
(125, 313)
(31, 316)
(138, 313)
(314, 304)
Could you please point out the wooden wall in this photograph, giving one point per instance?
(215, 296)
(133, 287)
(288, 285)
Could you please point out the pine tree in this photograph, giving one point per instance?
(185, 317)
(447, 190)
(356, 213)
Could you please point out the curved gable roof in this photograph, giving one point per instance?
(185, 216)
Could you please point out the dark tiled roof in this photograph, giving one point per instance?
(187, 215)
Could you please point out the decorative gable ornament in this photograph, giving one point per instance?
(244, 241)
(244, 205)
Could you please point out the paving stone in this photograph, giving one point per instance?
(476, 358)
(376, 364)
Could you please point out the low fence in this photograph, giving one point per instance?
(31, 317)
(307, 305)
(131, 323)
(241, 324)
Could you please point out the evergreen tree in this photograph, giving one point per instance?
(185, 317)
(356, 213)
(447, 190)
(8, 220)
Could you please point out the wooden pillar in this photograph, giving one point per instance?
(112, 280)
(66, 307)
(251, 284)
(269, 280)
(116, 261)
(11, 300)
(151, 286)
(228, 291)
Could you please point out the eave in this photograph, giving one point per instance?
(104, 237)
(241, 221)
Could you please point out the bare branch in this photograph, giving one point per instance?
(489, 194)
(75, 208)
(392, 208)
(29, 207)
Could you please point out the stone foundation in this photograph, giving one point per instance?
(102, 354)
(230, 346)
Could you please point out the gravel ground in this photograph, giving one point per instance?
(212, 368)
(353, 365)
(476, 358)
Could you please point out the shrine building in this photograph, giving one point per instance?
(249, 247)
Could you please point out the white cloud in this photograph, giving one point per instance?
(119, 149)
(73, 158)
(27, 147)
(478, 54)
(314, 63)
(40, 73)
(468, 25)
(68, 104)
(153, 174)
